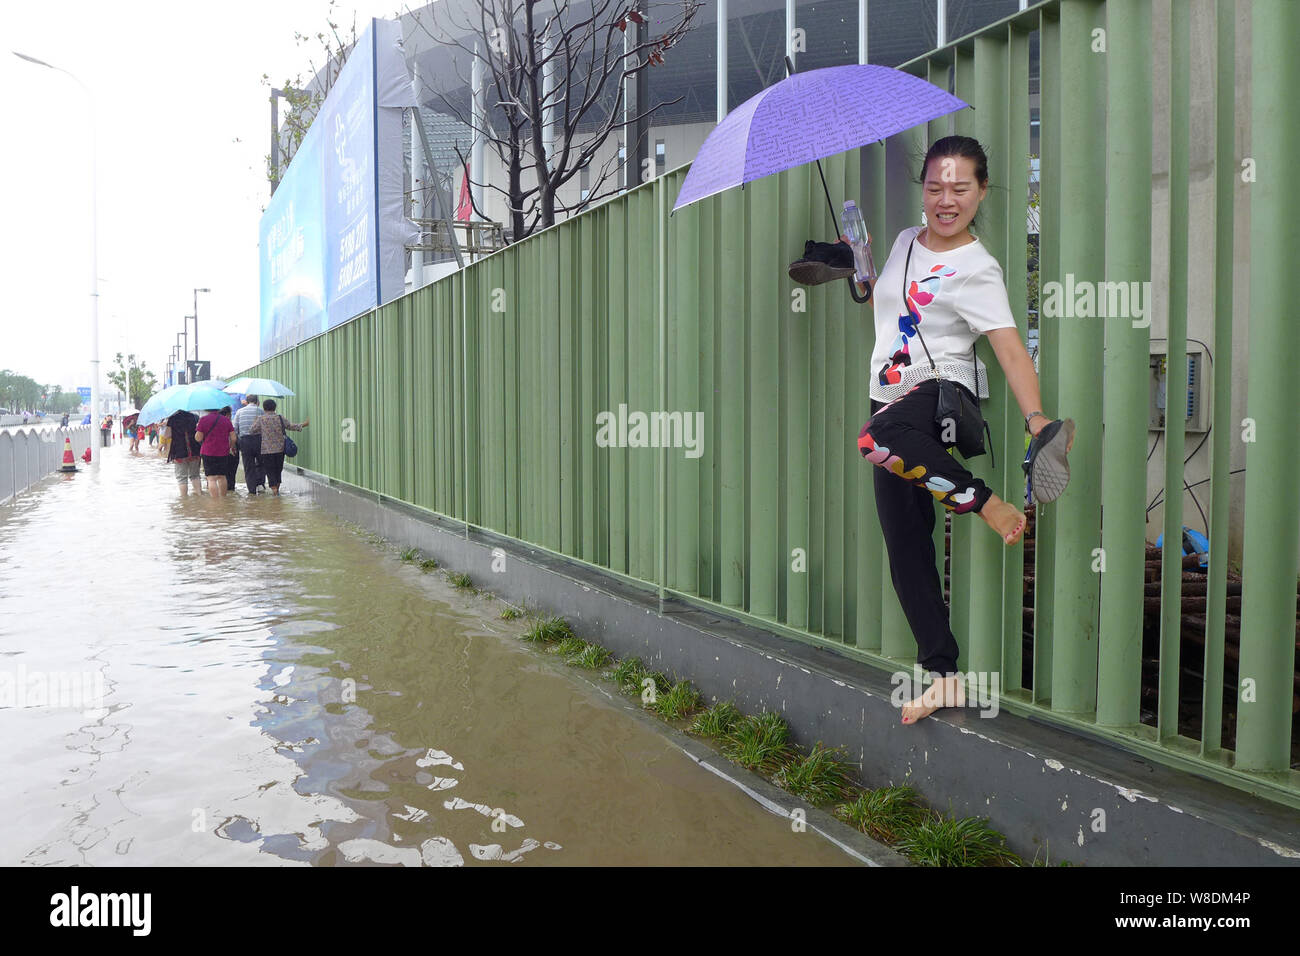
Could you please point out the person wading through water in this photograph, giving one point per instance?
(955, 292)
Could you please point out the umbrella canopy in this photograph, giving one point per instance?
(190, 398)
(257, 386)
(809, 116)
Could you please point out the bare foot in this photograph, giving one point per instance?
(946, 692)
(1003, 518)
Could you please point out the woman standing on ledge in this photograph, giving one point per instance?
(955, 293)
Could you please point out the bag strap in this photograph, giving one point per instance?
(917, 323)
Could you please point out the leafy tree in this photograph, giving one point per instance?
(581, 45)
(135, 381)
(304, 96)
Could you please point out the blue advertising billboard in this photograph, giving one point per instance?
(323, 255)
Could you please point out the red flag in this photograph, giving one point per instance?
(463, 207)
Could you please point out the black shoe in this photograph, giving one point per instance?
(823, 262)
(1046, 469)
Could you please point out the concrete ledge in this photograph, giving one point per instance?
(1049, 790)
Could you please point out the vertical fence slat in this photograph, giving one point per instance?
(1049, 269)
(1010, 448)
(1272, 493)
(1225, 181)
(800, 219)
(1128, 260)
(1171, 563)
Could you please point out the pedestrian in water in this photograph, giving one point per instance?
(218, 438)
(183, 451)
(133, 433)
(106, 430)
(954, 293)
(232, 462)
(271, 427)
(250, 445)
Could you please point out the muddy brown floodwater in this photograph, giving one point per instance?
(250, 681)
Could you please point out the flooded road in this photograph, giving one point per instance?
(250, 681)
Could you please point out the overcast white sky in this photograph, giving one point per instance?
(183, 119)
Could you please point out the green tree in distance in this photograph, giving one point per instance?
(135, 381)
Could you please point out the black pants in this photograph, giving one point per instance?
(914, 470)
(273, 464)
(251, 447)
(232, 470)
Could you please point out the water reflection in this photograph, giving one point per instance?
(276, 690)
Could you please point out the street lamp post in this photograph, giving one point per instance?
(196, 321)
(95, 452)
(181, 348)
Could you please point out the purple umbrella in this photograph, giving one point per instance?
(809, 116)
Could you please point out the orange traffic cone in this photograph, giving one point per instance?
(69, 462)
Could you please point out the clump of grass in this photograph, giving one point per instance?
(628, 675)
(570, 646)
(631, 675)
(821, 777)
(592, 657)
(428, 564)
(759, 743)
(718, 721)
(509, 613)
(945, 841)
(410, 554)
(461, 580)
(680, 701)
(548, 630)
(885, 814)
(1047, 861)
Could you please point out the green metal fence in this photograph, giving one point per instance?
(479, 397)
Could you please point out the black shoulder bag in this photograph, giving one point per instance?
(957, 413)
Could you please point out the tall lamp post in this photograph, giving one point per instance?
(196, 321)
(185, 356)
(181, 350)
(95, 453)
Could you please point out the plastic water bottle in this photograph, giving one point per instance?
(859, 241)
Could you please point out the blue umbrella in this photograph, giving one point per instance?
(807, 117)
(257, 386)
(189, 398)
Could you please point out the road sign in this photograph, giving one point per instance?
(200, 370)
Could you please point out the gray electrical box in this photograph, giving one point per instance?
(1195, 405)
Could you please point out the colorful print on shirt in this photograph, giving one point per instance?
(919, 294)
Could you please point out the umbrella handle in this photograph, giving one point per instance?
(853, 291)
(789, 71)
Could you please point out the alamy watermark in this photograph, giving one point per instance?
(972, 689)
(1101, 300)
(66, 690)
(651, 430)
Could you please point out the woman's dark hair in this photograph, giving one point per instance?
(226, 411)
(268, 405)
(963, 146)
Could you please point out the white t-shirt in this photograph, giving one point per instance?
(958, 294)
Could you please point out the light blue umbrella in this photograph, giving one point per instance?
(191, 398)
(258, 386)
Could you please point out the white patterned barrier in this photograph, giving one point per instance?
(29, 454)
